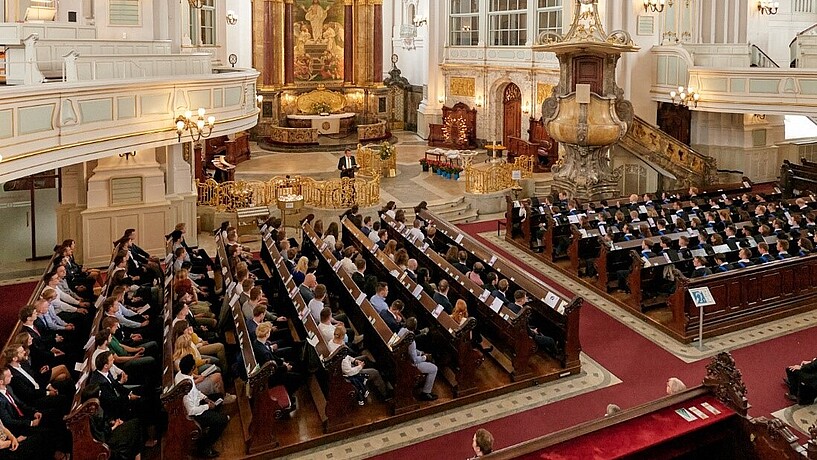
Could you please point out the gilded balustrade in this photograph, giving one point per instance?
(368, 158)
(496, 177)
(332, 193)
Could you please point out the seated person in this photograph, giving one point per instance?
(542, 341)
(354, 369)
(744, 260)
(393, 316)
(211, 384)
(284, 373)
(202, 410)
(420, 361)
(802, 382)
(783, 249)
(700, 267)
(378, 300)
(123, 438)
(722, 264)
(763, 249)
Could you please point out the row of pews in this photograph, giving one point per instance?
(260, 407)
(332, 394)
(506, 331)
(575, 242)
(720, 427)
(796, 179)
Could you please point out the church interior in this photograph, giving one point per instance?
(387, 229)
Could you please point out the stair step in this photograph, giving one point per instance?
(441, 206)
(454, 211)
(464, 218)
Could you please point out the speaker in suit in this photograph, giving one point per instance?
(347, 165)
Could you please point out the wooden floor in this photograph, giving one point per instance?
(303, 429)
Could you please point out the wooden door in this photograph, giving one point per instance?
(675, 120)
(511, 113)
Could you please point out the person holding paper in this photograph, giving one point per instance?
(284, 374)
(201, 409)
(356, 368)
(544, 342)
(347, 165)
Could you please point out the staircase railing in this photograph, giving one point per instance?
(759, 58)
(689, 166)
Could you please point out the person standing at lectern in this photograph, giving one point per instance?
(347, 165)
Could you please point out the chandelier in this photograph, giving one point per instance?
(685, 96)
(197, 126)
(656, 6)
(767, 7)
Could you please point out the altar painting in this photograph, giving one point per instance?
(318, 32)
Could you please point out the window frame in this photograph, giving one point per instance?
(124, 4)
(455, 34)
(497, 15)
(196, 23)
(557, 9)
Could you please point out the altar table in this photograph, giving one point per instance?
(325, 124)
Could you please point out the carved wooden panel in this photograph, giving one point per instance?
(458, 129)
(588, 70)
(511, 113)
(675, 120)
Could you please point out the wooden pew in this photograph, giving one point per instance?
(505, 330)
(557, 314)
(266, 405)
(727, 432)
(458, 359)
(390, 351)
(334, 403)
(745, 297)
(178, 441)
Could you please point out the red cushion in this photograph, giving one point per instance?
(279, 394)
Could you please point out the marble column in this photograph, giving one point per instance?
(348, 42)
(430, 109)
(377, 46)
(289, 50)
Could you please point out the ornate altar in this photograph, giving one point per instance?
(458, 129)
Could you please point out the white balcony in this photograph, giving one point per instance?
(47, 126)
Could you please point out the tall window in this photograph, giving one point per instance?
(549, 16)
(507, 22)
(464, 24)
(203, 23)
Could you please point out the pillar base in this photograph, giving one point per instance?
(584, 173)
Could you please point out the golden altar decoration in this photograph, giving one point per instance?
(494, 177)
(371, 163)
(327, 194)
(321, 97)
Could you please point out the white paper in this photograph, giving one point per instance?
(417, 291)
(496, 305)
(293, 292)
(373, 248)
(551, 300)
(313, 340)
(209, 370)
(492, 261)
(458, 238)
(89, 343)
(233, 299)
(394, 273)
(698, 412)
(642, 209)
(573, 219)
(79, 367)
(712, 410)
(436, 312)
(686, 415)
(361, 298)
(336, 267)
(224, 270)
(484, 295)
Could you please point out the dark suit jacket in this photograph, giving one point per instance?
(461, 267)
(263, 354)
(499, 295)
(342, 166)
(391, 321)
(701, 271)
(443, 300)
(23, 387)
(11, 419)
(113, 397)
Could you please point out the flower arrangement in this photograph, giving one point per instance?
(386, 151)
(321, 107)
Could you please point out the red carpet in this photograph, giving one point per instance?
(642, 366)
(14, 296)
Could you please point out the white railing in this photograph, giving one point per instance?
(803, 49)
(59, 124)
(100, 67)
(13, 33)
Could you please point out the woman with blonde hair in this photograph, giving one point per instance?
(301, 268)
(209, 384)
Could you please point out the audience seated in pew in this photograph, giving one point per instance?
(201, 409)
(124, 439)
(421, 361)
(356, 370)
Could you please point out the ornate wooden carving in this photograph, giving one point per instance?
(264, 411)
(182, 432)
(539, 145)
(458, 129)
(85, 447)
(341, 395)
(675, 120)
(727, 382)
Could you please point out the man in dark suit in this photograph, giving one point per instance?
(802, 382)
(411, 269)
(307, 287)
(700, 267)
(461, 263)
(745, 255)
(723, 265)
(393, 316)
(441, 296)
(763, 249)
(520, 299)
(367, 283)
(115, 399)
(284, 374)
(501, 292)
(347, 165)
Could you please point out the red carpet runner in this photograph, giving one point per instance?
(642, 366)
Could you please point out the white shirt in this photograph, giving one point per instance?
(30, 378)
(64, 302)
(327, 331)
(347, 265)
(330, 239)
(315, 307)
(373, 236)
(193, 399)
(417, 233)
(115, 371)
(347, 366)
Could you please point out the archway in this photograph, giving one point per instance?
(511, 113)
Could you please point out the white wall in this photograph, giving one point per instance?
(238, 37)
(144, 31)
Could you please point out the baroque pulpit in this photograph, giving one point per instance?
(586, 113)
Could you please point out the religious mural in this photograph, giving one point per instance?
(318, 32)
